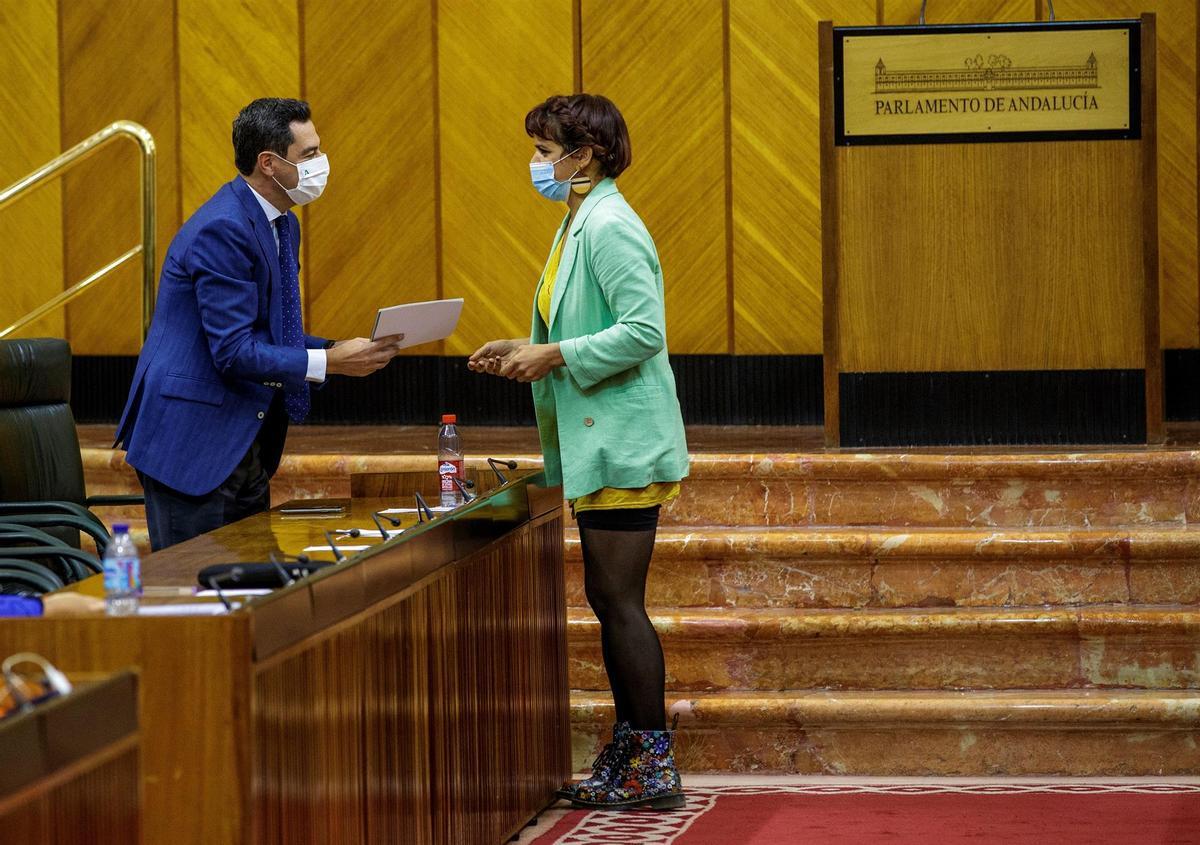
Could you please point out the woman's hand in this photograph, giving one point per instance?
(531, 362)
(490, 357)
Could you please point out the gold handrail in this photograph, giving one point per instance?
(85, 149)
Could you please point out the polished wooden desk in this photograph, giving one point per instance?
(69, 768)
(416, 693)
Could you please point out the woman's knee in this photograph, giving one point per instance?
(598, 598)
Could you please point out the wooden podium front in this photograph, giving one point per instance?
(69, 767)
(990, 260)
(416, 693)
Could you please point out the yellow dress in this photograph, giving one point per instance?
(607, 498)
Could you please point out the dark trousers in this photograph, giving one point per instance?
(174, 517)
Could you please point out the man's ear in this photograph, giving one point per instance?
(267, 163)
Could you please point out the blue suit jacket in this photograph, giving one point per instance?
(214, 358)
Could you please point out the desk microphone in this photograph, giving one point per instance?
(337, 553)
(233, 574)
(379, 517)
(349, 532)
(285, 578)
(462, 486)
(495, 463)
(423, 509)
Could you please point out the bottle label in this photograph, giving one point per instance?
(447, 470)
(122, 575)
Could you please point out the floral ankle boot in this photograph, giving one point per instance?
(610, 758)
(646, 777)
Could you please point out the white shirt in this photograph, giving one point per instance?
(317, 358)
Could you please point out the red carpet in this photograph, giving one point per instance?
(1055, 814)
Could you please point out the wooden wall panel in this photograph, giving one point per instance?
(495, 62)
(1179, 291)
(31, 262)
(370, 240)
(1047, 289)
(117, 62)
(894, 12)
(229, 54)
(776, 171)
(429, 194)
(662, 63)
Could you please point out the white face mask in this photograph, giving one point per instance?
(314, 174)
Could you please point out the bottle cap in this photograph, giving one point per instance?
(120, 528)
(449, 419)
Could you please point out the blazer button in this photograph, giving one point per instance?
(589, 422)
(261, 415)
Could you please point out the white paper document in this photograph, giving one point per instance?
(341, 548)
(229, 594)
(211, 608)
(419, 322)
(434, 508)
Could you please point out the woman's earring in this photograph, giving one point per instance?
(581, 185)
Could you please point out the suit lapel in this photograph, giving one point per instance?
(605, 188)
(270, 255)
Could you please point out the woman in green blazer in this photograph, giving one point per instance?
(609, 421)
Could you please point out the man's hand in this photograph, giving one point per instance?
(532, 362)
(70, 604)
(490, 357)
(360, 356)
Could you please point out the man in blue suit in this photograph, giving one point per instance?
(227, 364)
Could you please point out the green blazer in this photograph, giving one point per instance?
(610, 417)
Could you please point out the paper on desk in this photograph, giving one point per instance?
(229, 594)
(434, 508)
(208, 608)
(419, 322)
(341, 548)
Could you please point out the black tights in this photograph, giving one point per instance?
(615, 566)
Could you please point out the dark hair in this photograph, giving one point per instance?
(584, 120)
(266, 124)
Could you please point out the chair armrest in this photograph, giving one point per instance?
(11, 532)
(91, 527)
(46, 578)
(48, 506)
(81, 564)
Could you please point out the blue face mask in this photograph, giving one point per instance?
(542, 175)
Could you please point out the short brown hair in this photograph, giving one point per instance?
(584, 120)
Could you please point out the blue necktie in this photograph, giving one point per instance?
(296, 401)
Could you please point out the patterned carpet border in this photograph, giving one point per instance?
(664, 828)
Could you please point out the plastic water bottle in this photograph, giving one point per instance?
(122, 574)
(450, 461)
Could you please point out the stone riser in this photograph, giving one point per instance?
(950, 583)
(984, 491)
(910, 650)
(938, 503)
(886, 734)
(924, 751)
(804, 582)
(855, 568)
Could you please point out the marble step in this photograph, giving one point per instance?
(1133, 487)
(896, 733)
(913, 649)
(756, 567)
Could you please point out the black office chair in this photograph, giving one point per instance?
(41, 470)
